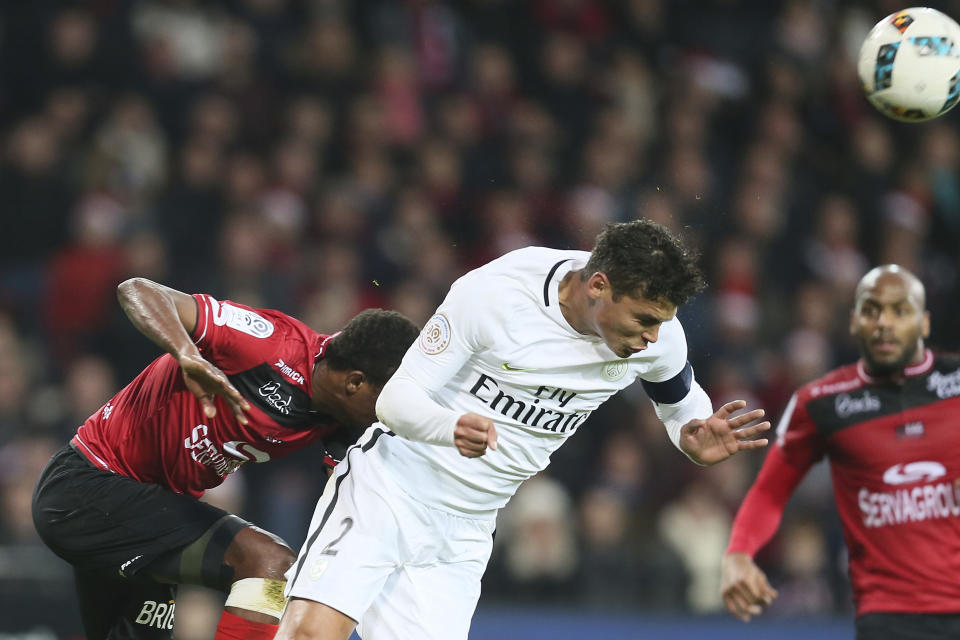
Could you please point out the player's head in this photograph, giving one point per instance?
(637, 276)
(366, 353)
(889, 319)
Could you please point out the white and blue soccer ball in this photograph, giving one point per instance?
(910, 64)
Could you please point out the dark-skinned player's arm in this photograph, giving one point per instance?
(167, 317)
(745, 588)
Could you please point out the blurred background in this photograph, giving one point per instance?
(324, 156)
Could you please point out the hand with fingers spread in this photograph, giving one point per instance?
(474, 434)
(745, 588)
(720, 436)
(206, 381)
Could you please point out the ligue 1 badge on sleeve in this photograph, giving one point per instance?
(435, 335)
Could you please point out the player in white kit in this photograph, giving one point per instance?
(519, 354)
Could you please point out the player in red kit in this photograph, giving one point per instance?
(237, 385)
(888, 425)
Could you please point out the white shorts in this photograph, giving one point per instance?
(400, 568)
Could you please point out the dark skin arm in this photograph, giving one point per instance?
(167, 317)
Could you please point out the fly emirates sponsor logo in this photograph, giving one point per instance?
(934, 499)
(528, 409)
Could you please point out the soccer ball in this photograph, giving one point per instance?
(910, 64)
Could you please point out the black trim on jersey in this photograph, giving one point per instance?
(546, 283)
(670, 391)
(333, 501)
(287, 404)
(836, 411)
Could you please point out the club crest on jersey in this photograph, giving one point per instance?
(435, 336)
(244, 320)
(613, 371)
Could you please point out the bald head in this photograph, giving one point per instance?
(890, 320)
(892, 274)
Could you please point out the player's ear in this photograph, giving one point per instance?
(925, 326)
(597, 284)
(853, 322)
(354, 380)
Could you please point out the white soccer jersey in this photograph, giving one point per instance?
(500, 347)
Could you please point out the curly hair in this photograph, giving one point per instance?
(374, 342)
(643, 258)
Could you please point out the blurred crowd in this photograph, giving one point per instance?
(324, 156)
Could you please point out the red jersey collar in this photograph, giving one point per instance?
(913, 370)
(323, 345)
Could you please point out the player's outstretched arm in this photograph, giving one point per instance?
(720, 436)
(167, 316)
(745, 588)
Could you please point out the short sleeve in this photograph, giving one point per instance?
(456, 331)
(797, 435)
(233, 336)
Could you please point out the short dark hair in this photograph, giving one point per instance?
(643, 258)
(374, 342)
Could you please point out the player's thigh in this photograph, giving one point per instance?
(112, 607)
(353, 544)
(98, 520)
(427, 603)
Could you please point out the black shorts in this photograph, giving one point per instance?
(98, 520)
(908, 626)
(130, 544)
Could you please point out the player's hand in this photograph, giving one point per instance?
(745, 589)
(474, 434)
(720, 436)
(206, 381)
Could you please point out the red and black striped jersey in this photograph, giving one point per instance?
(154, 429)
(894, 453)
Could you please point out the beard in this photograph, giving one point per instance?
(888, 368)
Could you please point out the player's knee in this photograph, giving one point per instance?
(272, 561)
(258, 554)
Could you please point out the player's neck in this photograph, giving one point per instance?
(573, 302)
(318, 394)
(899, 374)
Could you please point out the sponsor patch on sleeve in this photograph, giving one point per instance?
(435, 335)
(243, 320)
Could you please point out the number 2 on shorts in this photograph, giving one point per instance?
(347, 524)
